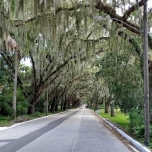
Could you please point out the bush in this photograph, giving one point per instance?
(22, 107)
(6, 98)
(136, 123)
(36, 114)
(40, 105)
(22, 104)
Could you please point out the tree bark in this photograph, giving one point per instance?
(15, 87)
(53, 105)
(61, 106)
(56, 107)
(47, 103)
(112, 110)
(33, 109)
(65, 102)
(146, 79)
(106, 107)
(107, 104)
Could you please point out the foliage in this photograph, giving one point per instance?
(136, 124)
(123, 79)
(133, 122)
(40, 104)
(36, 114)
(6, 102)
(120, 119)
(5, 121)
(136, 121)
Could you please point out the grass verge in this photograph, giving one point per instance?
(120, 119)
(5, 121)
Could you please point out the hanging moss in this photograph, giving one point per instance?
(21, 6)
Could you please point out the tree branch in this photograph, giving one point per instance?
(132, 9)
(72, 8)
(97, 40)
(49, 14)
(19, 23)
(117, 18)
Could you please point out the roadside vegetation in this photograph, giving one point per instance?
(131, 123)
(7, 121)
(120, 118)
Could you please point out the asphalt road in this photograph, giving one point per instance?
(73, 131)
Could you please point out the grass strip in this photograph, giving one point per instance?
(120, 118)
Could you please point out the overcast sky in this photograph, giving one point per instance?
(150, 4)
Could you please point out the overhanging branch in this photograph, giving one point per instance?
(119, 19)
(132, 9)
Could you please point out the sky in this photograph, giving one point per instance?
(149, 4)
(26, 62)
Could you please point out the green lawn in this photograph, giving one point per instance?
(120, 119)
(5, 121)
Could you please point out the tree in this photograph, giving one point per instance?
(72, 42)
(123, 78)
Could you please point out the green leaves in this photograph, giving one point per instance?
(122, 74)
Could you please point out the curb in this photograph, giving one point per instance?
(21, 123)
(138, 145)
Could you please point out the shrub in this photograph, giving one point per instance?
(136, 122)
(22, 107)
(36, 114)
(6, 98)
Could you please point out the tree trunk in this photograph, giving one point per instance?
(146, 78)
(150, 96)
(15, 87)
(112, 110)
(47, 103)
(106, 107)
(69, 104)
(33, 109)
(96, 103)
(107, 104)
(61, 106)
(56, 107)
(64, 106)
(53, 105)
(33, 104)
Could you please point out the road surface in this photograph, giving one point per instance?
(73, 131)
